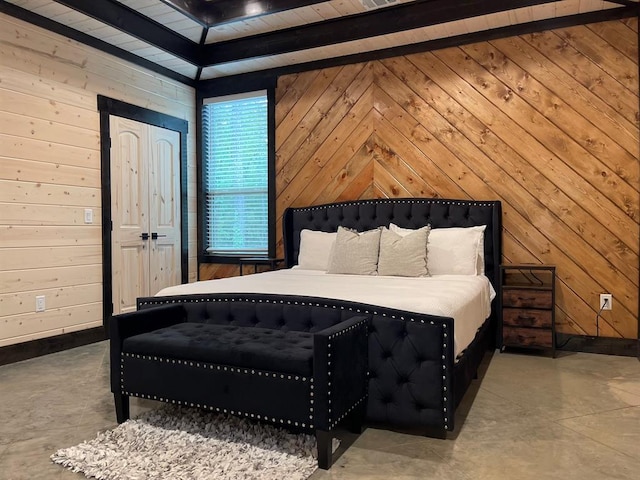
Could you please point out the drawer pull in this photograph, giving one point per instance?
(526, 319)
(526, 299)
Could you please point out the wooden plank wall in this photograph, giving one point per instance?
(547, 123)
(50, 172)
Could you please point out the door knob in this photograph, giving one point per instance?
(154, 236)
(144, 236)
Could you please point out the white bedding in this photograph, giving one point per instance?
(465, 298)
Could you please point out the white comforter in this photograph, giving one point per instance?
(465, 298)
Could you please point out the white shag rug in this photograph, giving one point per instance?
(176, 443)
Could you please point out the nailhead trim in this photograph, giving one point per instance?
(395, 201)
(160, 301)
(360, 324)
(341, 417)
(219, 410)
(348, 329)
(205, 406)
(445, 373)
(211, 366)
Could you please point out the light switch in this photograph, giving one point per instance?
(88, 215)
(40, 303)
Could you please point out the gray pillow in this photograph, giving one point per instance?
(404, 256)
(355, 253)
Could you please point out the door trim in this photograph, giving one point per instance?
(107, 107)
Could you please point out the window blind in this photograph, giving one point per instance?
(235, 133)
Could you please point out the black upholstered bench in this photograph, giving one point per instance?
(302, 380)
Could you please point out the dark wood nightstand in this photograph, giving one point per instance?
(528, 306)
(272, 263)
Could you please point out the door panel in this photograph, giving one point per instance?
(163, 273)
(164, 186)
(129, 207)
(133, 277)
(131, 202)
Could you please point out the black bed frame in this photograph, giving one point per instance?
(414, 213)
(415, 381)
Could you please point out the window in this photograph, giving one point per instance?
(236, 174)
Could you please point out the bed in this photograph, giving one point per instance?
(421, 359)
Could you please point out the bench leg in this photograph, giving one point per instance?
(325, 452)
(122, 407)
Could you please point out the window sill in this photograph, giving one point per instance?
(236, 259)
(226, 259)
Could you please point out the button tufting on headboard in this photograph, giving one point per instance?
(405, 212)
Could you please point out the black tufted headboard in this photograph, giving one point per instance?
(404, 212)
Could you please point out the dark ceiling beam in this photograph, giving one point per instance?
(127, 20)
(258, 79)
(628, 3)
(47, 24)
(211, 13)
(383, 21)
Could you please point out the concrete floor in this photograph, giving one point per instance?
(529, 417)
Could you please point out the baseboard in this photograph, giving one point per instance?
(44, 346)
(625, 347)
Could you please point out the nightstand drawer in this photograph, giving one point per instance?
(527, 298)
(520, 317)
(527, 337)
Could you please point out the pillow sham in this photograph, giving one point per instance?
(355, 253)
(403, 255)
(315, 249)
(453, 250)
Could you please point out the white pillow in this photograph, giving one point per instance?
(355, 253)
(454, 250)
(403, 255)
(315, 248)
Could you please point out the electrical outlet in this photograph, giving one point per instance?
(40, 305)
(88, 215)
(606, 301)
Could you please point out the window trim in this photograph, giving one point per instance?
(203, 97)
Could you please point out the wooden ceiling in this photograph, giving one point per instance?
(207, 39)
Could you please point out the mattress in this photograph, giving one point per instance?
(465, 298)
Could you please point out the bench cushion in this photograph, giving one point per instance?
(249, 347)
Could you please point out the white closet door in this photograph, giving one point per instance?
(145, 210)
